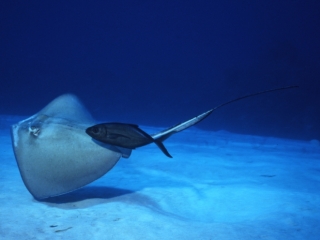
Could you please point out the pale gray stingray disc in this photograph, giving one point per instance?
(54, 153)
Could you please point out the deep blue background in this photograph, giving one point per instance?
(162, 62)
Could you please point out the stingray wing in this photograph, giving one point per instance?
(54, 153)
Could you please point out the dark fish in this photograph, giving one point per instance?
(123, 135)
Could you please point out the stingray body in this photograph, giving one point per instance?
(55, 155)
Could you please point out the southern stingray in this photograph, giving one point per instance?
(56, 156)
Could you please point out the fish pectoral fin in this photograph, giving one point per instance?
(116, 136)
(163, 148)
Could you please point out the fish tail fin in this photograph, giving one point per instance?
(162, 147)
(163, 135)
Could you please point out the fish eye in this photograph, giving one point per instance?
(95, 129)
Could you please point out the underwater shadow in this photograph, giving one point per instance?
(93, 195)
(88, 192)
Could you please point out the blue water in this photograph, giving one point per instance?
(155, 64)
(161, 62)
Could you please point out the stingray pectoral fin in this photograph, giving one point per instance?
(163, 148)
(60, 159)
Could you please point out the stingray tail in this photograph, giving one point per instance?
(162, 147)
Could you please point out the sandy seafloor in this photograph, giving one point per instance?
(218, 185)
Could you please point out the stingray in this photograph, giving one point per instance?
(56, 156)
